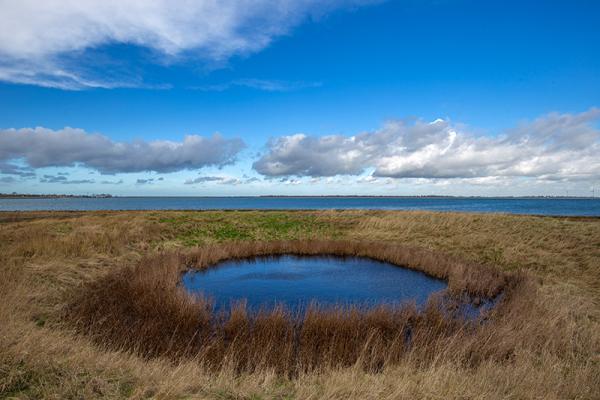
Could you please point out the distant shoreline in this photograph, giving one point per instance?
(108, 196)
(53, 196)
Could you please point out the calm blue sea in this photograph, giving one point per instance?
(573, 207)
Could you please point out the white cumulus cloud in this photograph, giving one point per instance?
(41, 147)
(45, 42)
(553, 147)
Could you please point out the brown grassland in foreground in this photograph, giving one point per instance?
(89, 308)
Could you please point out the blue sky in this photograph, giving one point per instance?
(307, 97)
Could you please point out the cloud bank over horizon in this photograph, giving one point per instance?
(41, 148)
(45, 42)
(554, 147)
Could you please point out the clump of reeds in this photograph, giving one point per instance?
(142, 308)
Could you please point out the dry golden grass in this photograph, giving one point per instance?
(549, 336)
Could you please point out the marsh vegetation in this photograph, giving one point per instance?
(143, 309)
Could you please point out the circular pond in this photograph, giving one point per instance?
(297, 281)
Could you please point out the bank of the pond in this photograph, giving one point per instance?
(144, 309)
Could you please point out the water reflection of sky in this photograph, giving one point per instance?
(298, 281)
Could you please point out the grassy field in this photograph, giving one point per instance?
(550, 342)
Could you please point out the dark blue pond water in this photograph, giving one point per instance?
(541, 206)
(297, 281)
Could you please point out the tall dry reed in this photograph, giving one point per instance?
(143, 309)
